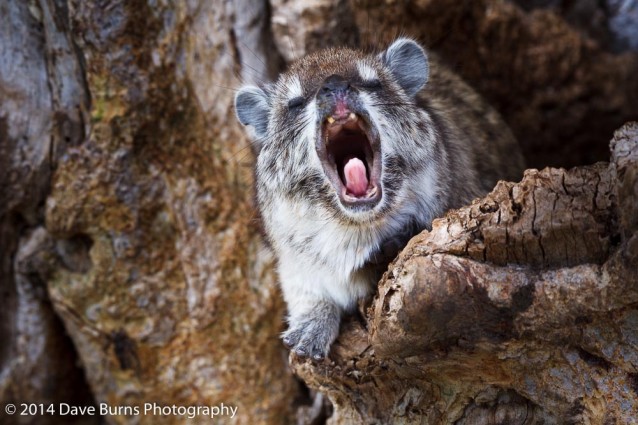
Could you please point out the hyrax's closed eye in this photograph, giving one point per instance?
(295, 103)
(372, 85)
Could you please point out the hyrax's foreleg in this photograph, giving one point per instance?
(312, 331)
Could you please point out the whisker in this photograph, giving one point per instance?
(254, 54)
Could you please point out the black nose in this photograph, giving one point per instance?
(334, 83)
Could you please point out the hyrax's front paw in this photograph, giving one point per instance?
(312, 334)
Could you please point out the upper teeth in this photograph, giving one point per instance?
(352, 116)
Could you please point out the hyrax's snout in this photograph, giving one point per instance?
(335, 97)
(334, 85)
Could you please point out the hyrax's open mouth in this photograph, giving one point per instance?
(350, 156)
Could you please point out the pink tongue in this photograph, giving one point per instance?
(355, 175)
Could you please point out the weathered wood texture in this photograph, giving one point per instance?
(521, 308)
(43, 108)
(135, 211)
(169, 294)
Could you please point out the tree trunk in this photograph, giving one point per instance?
(43, 108)
(130, 246)
(147, 241)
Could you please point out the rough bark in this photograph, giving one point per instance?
(147, 242)
(165, 287)
(613, 23)
(43, 104)
(521, 308)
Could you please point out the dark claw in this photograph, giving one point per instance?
(301, 352)
(289, 342)
(318, 356)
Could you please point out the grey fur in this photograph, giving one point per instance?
(408, 63)
(251, 107)
(427, 148)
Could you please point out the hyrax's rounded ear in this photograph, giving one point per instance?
(408, 63)
(251, 107)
